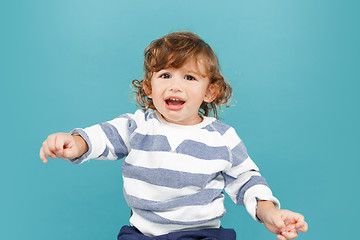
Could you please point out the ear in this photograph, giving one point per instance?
(147, 90)
(211, 93)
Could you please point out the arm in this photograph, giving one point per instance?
(63, 145)
(244, 183)
(104, 141)
(284, 223)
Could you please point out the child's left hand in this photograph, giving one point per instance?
(284, 223)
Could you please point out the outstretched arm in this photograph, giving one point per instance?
(284, 223)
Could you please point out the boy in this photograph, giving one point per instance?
(178, 160)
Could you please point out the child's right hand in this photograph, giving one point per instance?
(63, 145)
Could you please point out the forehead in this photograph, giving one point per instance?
(197, 66)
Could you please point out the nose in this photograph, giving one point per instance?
(175, 84)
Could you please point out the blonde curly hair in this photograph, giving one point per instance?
(173, 51)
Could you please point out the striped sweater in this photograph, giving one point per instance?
(174, 175)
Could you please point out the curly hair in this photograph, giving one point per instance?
(173, 51)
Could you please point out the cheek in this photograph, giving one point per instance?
(198, 95)
(155, 88)
(156, 95)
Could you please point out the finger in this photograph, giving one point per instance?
(290, 234)
(67, 153)
(290, 217)
(43, 156)
(47, 151)
(297, 219)
(51, 143)
(70, 152)
(280, 237)
(59, 145)
(303, 227)
(278, 222)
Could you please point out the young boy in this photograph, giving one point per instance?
(178, 160)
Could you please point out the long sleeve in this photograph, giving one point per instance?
(243, 182)
(108, 140)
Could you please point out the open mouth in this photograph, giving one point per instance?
(173, 103)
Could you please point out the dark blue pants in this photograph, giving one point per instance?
(131, 233)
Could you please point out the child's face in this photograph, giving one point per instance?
(177, 93)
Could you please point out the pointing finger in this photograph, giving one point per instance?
(42, 155)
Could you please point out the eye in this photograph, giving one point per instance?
(165, 75)
(189, 77)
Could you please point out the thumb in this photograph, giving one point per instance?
(70, 152)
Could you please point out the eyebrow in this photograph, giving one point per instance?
(186, 70)
(198, 73)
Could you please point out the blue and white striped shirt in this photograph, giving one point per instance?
(174, 175)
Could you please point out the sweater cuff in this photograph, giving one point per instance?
(85, 156)
(255, 193)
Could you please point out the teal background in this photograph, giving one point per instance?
(294, 67)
